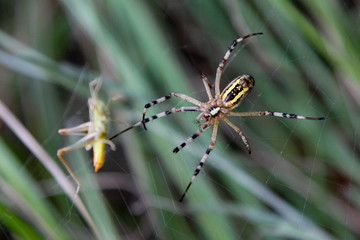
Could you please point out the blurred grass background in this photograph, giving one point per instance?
(301, 180)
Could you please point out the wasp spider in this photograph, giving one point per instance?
(216, 109)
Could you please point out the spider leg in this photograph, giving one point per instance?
(159, 115)
(190, 139)
(275, 114)
(164, 98)
(203, 159)
(223, 61)
(238, 130)
(207, 86)
(198, 117)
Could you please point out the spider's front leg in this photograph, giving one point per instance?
(196, 120)
(156, 116)
(205, 156)
(164, 98)
(202, 129)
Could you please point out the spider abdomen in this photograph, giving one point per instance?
(236, 91)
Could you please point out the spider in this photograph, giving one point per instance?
(214, 110)
(94, 131)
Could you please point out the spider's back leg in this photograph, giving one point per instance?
(225, 58)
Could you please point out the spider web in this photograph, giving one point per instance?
(308, 177)
(260, 174)
(215, 161)
(300, 181)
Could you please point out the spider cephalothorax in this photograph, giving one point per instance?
(216, 109)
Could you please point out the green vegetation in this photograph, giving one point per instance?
(301, 180)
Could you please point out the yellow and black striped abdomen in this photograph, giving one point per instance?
(236, 91)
